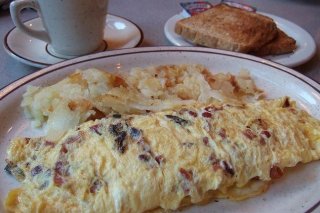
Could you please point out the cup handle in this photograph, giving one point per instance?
(15, 9)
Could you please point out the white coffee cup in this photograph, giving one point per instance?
(72, 27)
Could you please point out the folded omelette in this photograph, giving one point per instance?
(163, 160)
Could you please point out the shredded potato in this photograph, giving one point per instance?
(92, 93)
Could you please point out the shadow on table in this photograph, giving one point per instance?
(310, 65)
(309, 2)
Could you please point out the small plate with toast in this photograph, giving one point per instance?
(228, 28)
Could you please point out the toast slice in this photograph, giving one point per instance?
(280, 45)
(228, 28)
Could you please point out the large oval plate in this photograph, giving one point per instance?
(298, 191)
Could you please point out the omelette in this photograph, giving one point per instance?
(163, 160)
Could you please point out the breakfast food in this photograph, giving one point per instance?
(68, 102)
(168, 159)
(230, 28)
(92, 93)
(281, 44)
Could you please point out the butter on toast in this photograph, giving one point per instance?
(281, 44)
(228, 28)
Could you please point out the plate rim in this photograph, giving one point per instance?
(291, 64)
(313, 46)
(40, 64)
(6, 90)
(24, 80)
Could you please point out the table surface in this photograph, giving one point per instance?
(151, 15)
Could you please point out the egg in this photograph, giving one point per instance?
(166, 160)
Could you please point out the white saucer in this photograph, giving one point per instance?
(119, 33)
(306, 46)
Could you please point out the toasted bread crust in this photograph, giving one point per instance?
(228, 28)
(280, 45)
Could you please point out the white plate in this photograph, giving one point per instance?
(296, 192)
(306, 46)
(119, 33)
